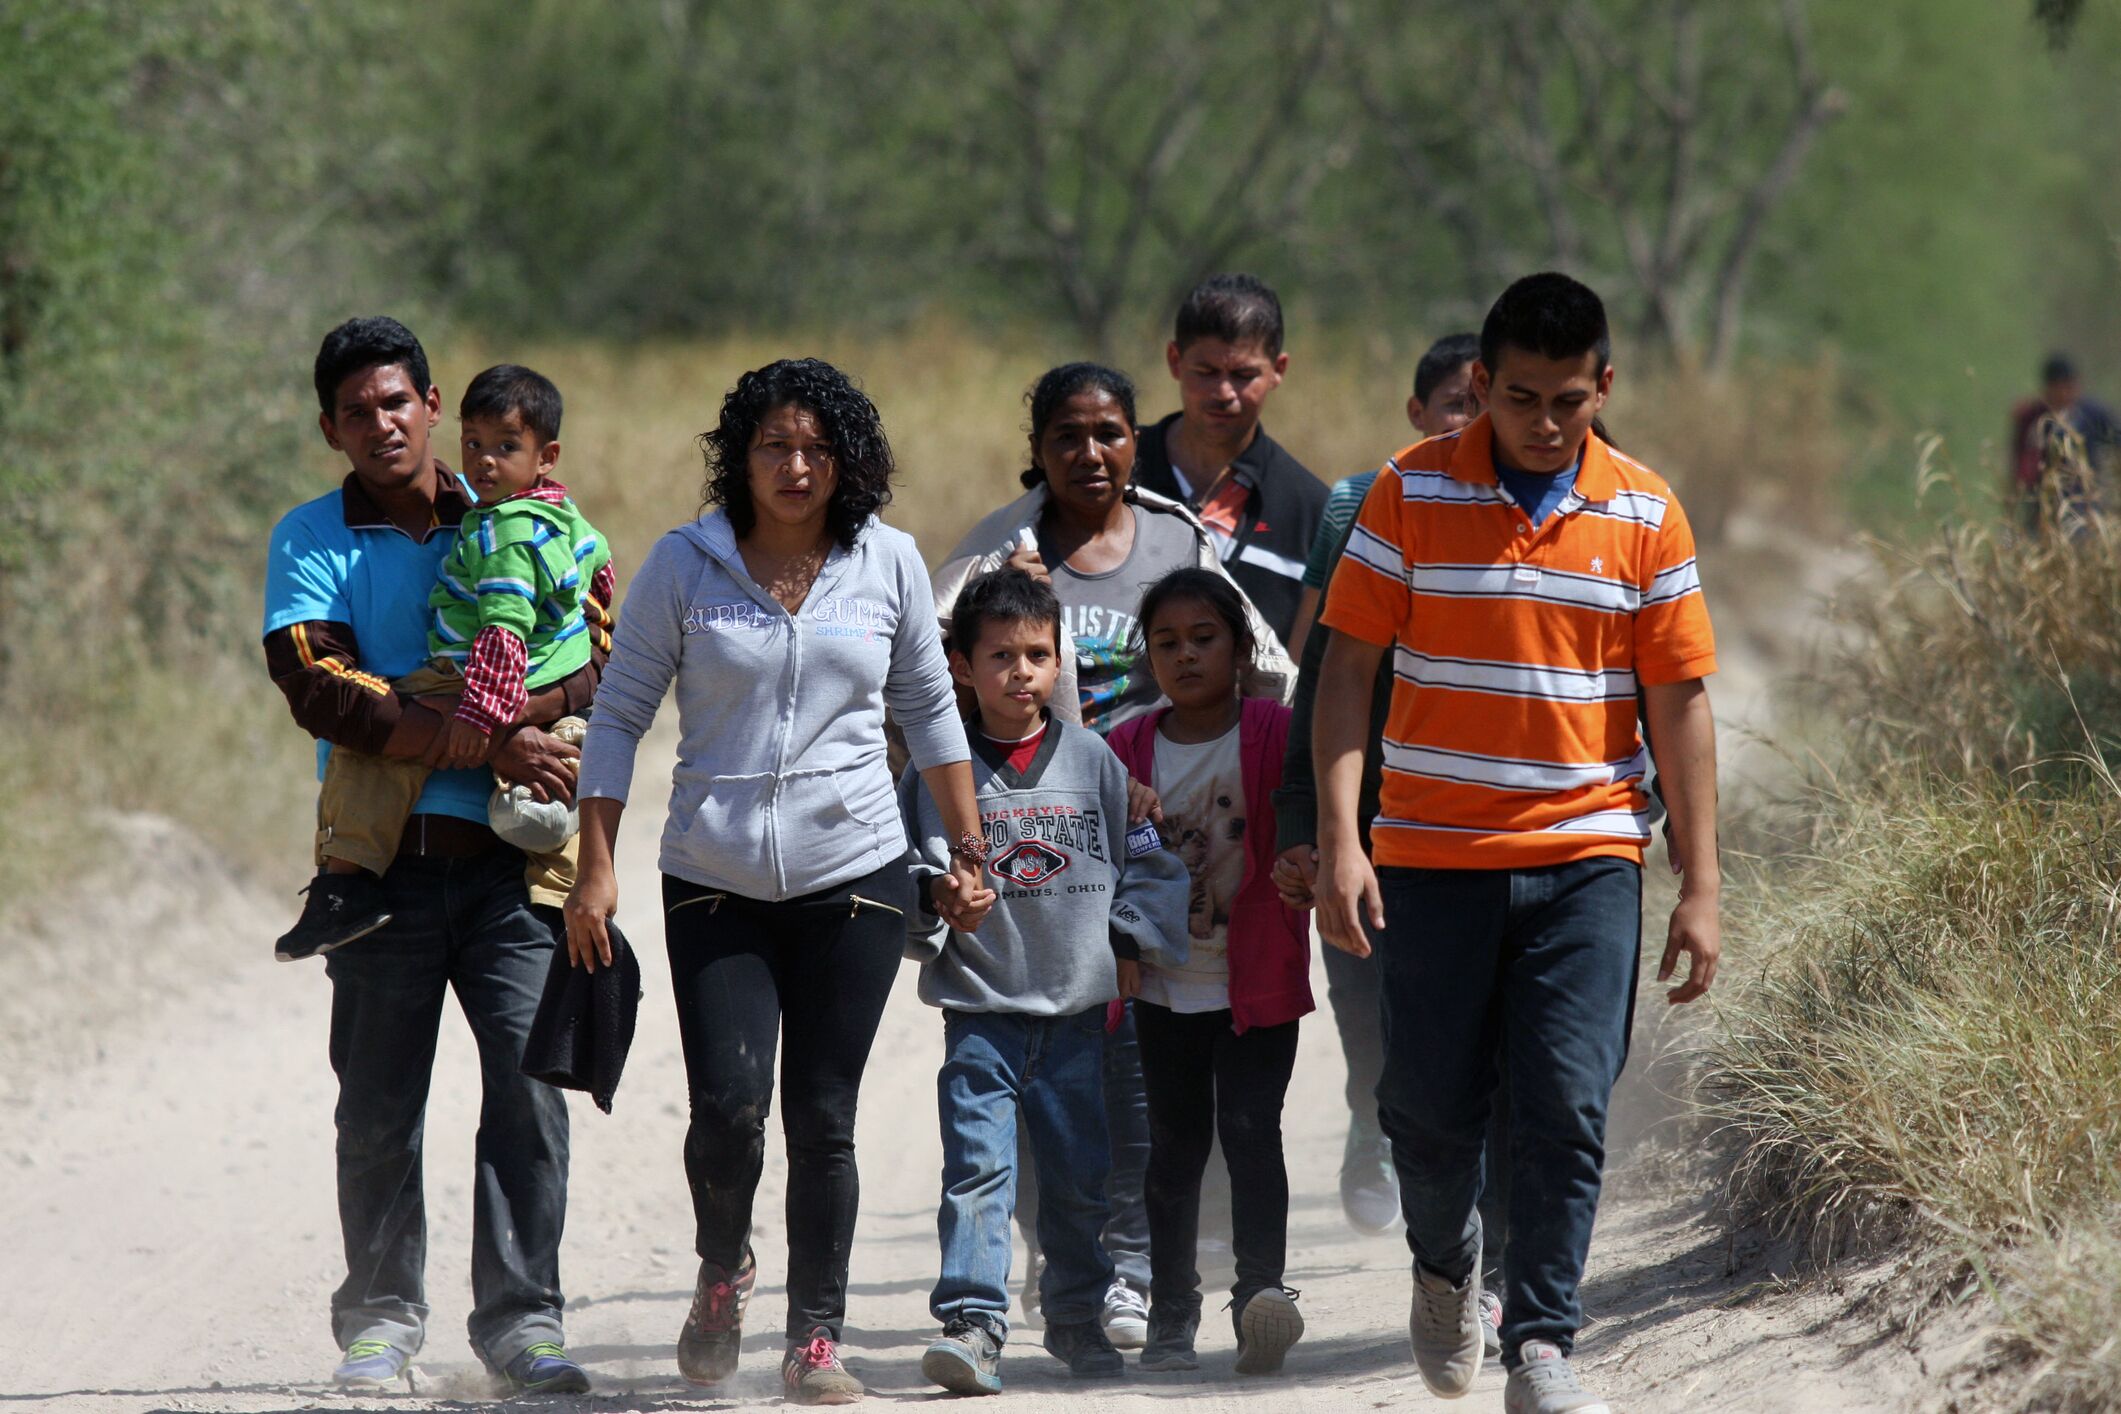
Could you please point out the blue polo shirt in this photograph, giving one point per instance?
(327, 564)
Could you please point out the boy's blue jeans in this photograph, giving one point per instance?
(1048, 1070)
(1541, 962)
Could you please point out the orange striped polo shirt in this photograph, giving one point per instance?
(1511, 742)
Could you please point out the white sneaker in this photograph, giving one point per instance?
(1543, 1383)
(1125, 1317)
(1445, 1330)
(1491, 1325)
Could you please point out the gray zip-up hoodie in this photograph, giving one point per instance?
(781, 787)
(1078, 888)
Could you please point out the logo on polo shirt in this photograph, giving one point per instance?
(1597, 564)
(1030, 863)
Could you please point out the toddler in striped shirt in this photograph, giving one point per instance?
(506, 620)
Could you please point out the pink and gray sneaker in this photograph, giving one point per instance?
(709, 1340)
(813, 1374)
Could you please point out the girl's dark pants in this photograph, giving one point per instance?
(1205, 1080)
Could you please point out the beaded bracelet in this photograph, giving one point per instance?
(970, 847)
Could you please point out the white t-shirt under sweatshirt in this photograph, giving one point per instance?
(1202, 788)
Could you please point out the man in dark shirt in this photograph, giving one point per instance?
(1261, 504)
(346, 586)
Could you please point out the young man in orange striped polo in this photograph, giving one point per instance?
(1526, 577)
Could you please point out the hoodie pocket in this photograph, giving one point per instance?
(818, 831)
(722, 824)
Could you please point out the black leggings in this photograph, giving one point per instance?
(1203, 1080)
(812, 973)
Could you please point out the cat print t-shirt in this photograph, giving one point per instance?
(1202, 788)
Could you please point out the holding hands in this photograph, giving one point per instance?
(962, 896)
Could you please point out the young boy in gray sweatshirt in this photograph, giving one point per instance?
(1083, 898)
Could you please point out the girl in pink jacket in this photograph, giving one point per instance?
(1218, 1035)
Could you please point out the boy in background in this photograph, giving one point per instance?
(1442, 402)
(506, 619)
(1261, 504)
(1082, 899)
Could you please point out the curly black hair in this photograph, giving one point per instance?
(859, 449)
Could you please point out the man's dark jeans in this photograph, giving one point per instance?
(1352, 989)
(1541, 962)
(465, 925)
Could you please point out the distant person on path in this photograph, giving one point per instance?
(1526, 578)
(1218, 1028)
(1442, 401)
(1086, 894)
(1261, 504)
(786, 619)
(1085, 526)
(506, 617)
(2064, 448)
(346, 612)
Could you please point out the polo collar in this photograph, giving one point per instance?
(1473, 460)
(361, 512)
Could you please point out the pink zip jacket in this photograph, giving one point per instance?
(1270, 943)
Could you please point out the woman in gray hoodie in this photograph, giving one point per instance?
(788, 618)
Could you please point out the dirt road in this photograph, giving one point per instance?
(168, 1232)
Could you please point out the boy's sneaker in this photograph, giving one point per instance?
(1171, 1332)
(967, 1359)
(1543, 1383)
(1369, 1185)
(1445, 1329)
(713, 1332)
(1125, 1317)
(371, 1364)
(545, 1368)
(1267, 1325)
(1083, 1347)
(812, 1373)
(1490, 1325)
(340, 909)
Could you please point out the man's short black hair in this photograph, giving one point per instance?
(1005, 596)
(1444, 358)
(2059, 368)
(511, 388)
(376, 341)
(1237, 309)
(1548, 314)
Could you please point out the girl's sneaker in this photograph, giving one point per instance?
(1083, 1347)
(1267, 1325)
(713, 1332)
(812, 1373)
(1171, 1332)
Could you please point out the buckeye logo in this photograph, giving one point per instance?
(1030, 863)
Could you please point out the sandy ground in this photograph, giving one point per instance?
(169, 1234)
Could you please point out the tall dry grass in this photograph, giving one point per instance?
(1932, 1053)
